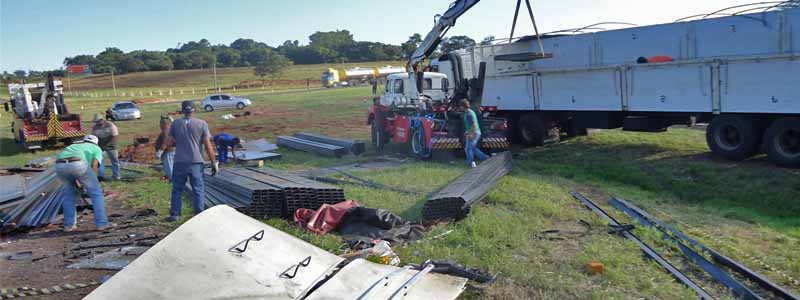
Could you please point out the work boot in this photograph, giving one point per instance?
(473, 165)
(70, 228)
(171, 219)
(107, 227)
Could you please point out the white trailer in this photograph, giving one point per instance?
(740, 74)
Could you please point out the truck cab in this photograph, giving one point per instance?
(398, 90)
(330, 78)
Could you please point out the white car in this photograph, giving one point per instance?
(213, 102)
(124, 110)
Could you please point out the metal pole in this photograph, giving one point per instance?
(113, 84)
(216, 86)
(69, 85)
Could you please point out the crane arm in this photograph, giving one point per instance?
(443, 24)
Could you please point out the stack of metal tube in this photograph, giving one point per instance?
(267, 193)
(44, 194)
(454, 200)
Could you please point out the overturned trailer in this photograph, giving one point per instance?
(740, 74)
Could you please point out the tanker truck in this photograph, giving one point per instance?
(357, 76)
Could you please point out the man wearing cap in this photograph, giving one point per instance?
(77, 164)
(108, 134)
(188, 135)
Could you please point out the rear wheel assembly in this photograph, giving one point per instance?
(782, 142)
(733, 137)
(531, 130)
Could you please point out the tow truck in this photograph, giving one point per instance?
(417, 108)
(41, 118)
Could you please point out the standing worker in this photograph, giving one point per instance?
(108, 134)
(167, 156)
(188, 135)
(472, 134)
(223, 142)
(75, 165)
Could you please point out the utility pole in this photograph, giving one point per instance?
(216, 86)
(69, 85)
(113, 84)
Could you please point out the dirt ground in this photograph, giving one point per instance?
(53, 250)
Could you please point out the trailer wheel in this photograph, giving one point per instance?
(531, 131)
(733, 137)
(782, 142)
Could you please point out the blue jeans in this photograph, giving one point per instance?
(222, 153)
(472, 150)
(113, 156)
(181, 171)
(79, 171)
(167, 160)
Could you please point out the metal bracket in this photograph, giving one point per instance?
(403, 290)
(256, 237)
(383, 281)
(303, 263)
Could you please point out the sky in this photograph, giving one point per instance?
(39, 34)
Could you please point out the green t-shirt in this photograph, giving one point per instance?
(471, 121)
(86, 151)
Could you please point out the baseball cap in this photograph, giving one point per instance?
(187, 106)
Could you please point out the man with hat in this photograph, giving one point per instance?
(77, 164)
(108, 134)
(188, 135)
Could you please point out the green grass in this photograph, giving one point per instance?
(747, 210)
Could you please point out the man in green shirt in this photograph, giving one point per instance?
(472, 134)
(77, 164)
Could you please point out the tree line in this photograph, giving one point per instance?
(323, 47)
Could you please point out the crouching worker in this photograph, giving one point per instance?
(223, 142)
(75, 165)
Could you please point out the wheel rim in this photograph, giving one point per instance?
(728, 137)
(416, 146)
(787, 143)
(376, 137)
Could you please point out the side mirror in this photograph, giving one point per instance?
(445, 85)
(420, 77)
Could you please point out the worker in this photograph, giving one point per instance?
(108, 134)
(75, 165)
(472, 134)
(188, 135)
(223, 142)
(166, 156)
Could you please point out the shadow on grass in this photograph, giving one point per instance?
(752, 190)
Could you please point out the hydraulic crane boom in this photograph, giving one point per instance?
(428, 45)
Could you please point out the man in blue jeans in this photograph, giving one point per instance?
(108, 137)
(188, 135)
(76, 165)
(472, 135)
(224, 141)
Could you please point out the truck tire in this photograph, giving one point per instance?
(378, 134)
(782, 142)
(531, 131)
(417, 145)
(733, 137)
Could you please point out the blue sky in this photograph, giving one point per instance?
(38, 34)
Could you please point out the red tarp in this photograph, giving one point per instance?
(326, 219)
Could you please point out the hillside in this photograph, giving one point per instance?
(226, 77)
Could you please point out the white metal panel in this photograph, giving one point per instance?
(751, 34)
(352, 281)
(627, 45)
(769, 86)
(193, 262)
(793, 20)
(509, 92)
(669, 88)
(581, 90)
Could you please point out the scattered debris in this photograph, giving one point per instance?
(325, 219)
(355, 147)
(363, 226)
(595, 268)
(111, 260)
(311, 146)
(24, 255)
(42, 162)
(452, 268)
(13, 293)
(454, 200)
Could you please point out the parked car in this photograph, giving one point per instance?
(213, 102)
(123, 110)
